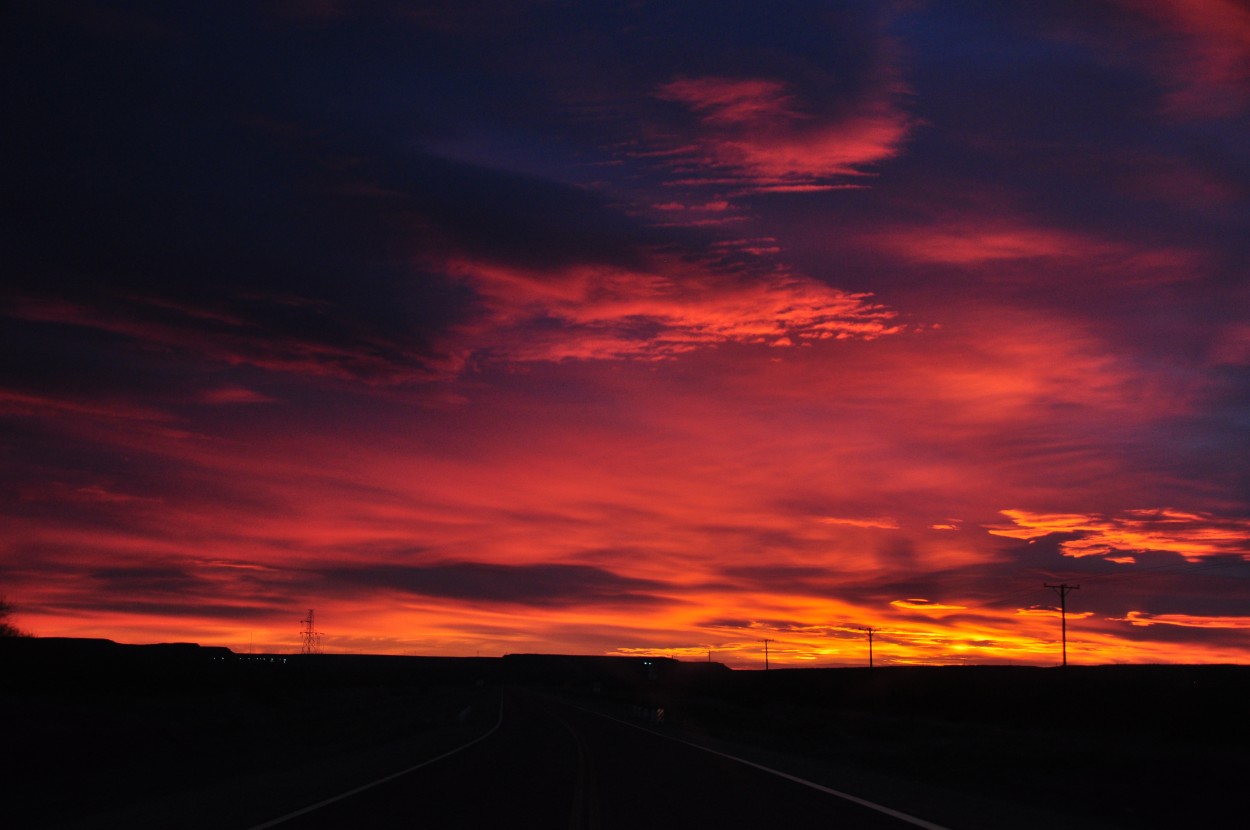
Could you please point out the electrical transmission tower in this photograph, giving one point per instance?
(311, 637)
(1062, 590)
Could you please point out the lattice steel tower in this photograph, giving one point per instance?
(312, 637)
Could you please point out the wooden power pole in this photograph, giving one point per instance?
(1062, 590)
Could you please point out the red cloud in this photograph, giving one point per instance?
(729, 101)
(234, 395)
(758, 134)
(1208, 67)
(608, 312)
(881, 523)
(1002, 242)
(42, 406)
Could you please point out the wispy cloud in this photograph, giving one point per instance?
(1192, 535)
(999, 246)
(729, 101)
(1208, 73)
(1145, 620)
(604, 312)
(882, 522)
(764, 137)
(925, 606)
(321, 341)
(225, 395)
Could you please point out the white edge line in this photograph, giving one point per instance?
(275, 822)
(880, 808)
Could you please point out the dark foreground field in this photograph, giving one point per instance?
(101, 735)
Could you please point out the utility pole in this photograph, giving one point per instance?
(766, 642)
(1062, 590)
(870, 631)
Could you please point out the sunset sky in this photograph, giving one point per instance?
(630, 327)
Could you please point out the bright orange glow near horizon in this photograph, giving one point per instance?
(867, 316)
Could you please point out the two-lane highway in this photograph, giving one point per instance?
(551, 765)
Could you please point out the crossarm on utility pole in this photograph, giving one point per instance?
(1062, 590)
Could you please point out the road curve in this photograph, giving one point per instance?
(548, 764)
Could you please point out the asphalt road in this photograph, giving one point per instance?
(548, 764)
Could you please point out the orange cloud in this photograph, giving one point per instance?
(925, 606)
(1143, 619)
(1035, 611)
(1192, 535)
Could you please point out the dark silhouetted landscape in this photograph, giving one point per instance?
(100, 734)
